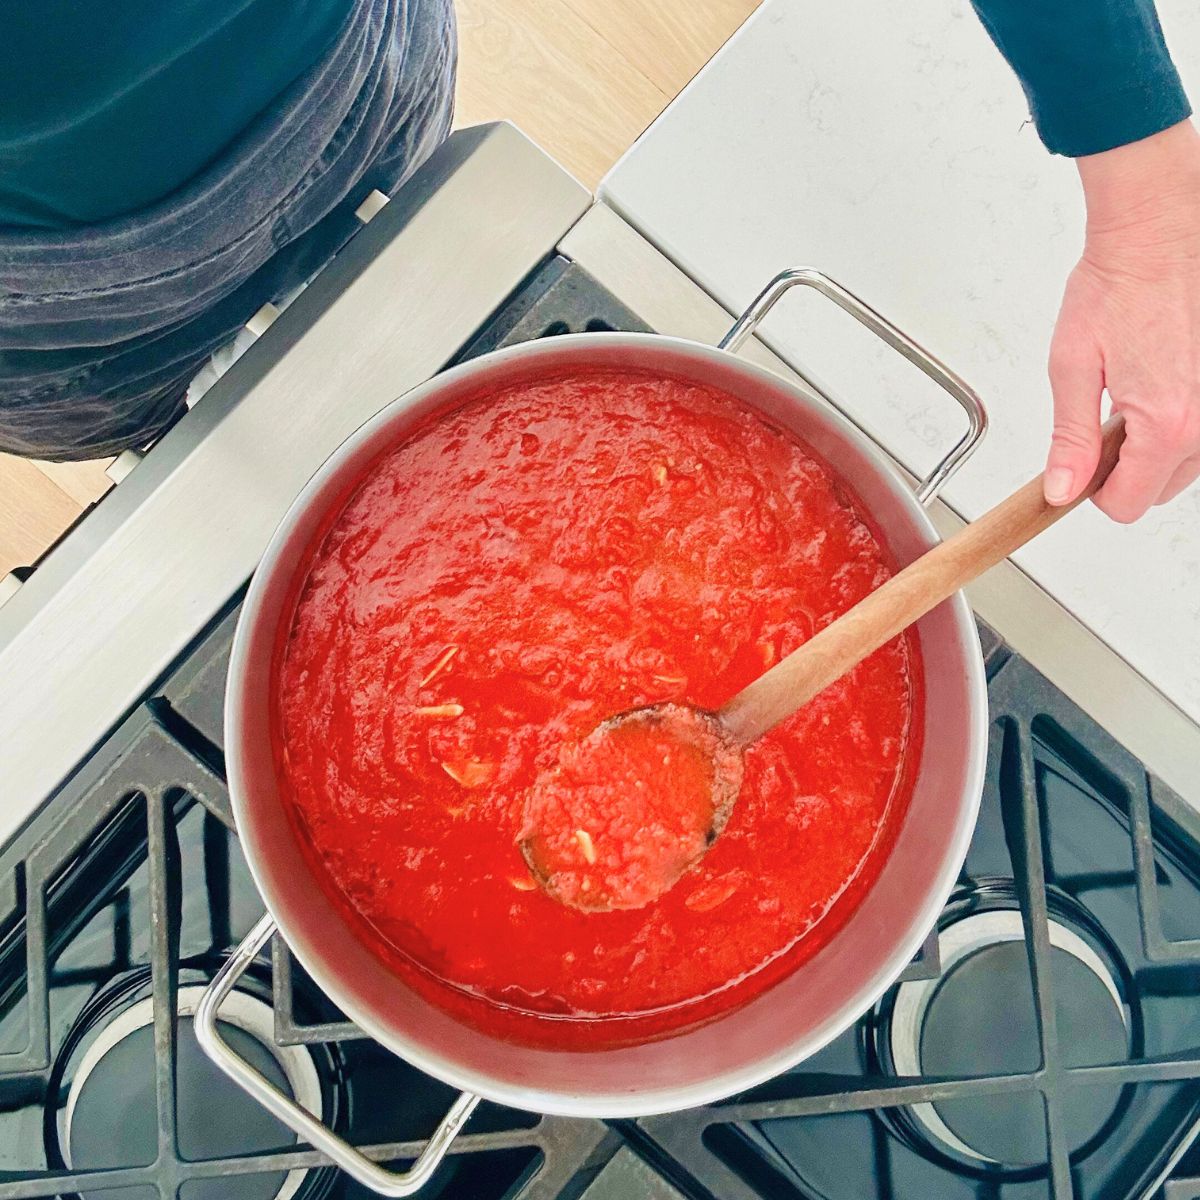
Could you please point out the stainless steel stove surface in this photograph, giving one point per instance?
(1046, 1042)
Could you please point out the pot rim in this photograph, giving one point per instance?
(648, 1101)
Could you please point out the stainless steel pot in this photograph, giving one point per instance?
(771, 1033)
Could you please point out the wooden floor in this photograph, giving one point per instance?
(581, 77)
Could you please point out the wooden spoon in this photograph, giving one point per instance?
(634, 805)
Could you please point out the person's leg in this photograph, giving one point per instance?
(71, 387)
(422, 114)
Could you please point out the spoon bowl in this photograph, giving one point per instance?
(629, 808)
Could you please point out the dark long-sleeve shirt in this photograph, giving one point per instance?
(106, 106)
(1097, 73)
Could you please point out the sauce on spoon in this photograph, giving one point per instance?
(629, 808)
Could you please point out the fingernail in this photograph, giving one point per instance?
(1059, 481)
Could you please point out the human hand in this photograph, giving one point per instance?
(1130, 322)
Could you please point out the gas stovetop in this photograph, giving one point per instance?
(1046, 1041)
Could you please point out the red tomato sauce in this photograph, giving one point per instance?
(627, 809)
(514, 573)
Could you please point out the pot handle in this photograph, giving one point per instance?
(879, 325)
(304, 1124)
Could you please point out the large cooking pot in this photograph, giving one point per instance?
(772, 1032)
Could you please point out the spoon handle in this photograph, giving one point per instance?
(903, 599)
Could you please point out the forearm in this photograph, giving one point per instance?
(1152, 182)
(1096, 73)
(1103, 90)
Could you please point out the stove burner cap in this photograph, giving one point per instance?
(110, 1118)
(979, 1018)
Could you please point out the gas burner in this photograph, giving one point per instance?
(108, 1077)
(978, 1018)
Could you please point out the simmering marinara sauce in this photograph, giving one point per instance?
(519, 570)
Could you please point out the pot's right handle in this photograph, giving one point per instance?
(879, 325)
(301, 1122)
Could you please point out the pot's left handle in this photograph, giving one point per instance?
(895, 337)
(304, 1124)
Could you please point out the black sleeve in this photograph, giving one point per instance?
(1096, 73)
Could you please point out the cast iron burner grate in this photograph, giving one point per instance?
(1073, 935)
(128, 892)
(1066, 1029)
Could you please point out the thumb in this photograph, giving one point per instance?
(1077, 381)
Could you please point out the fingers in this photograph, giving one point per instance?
(1185, 475)
(1077, 379)
(1149, 461)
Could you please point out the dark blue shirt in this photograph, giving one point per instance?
(107, 106)
(1097, 73)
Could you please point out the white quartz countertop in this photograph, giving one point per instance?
(888, 145)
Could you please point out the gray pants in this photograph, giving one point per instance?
(102, 327)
